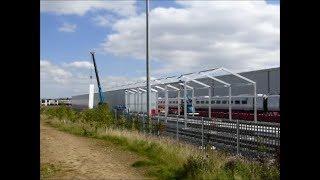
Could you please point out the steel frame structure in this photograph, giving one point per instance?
(185, 80)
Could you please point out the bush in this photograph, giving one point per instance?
(121, 122)
(194, 166)
(96, 117)
(134, 124)
(61, 112)
(99, 116)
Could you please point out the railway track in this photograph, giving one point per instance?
(252, 138)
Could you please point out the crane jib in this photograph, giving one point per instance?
(97, 77)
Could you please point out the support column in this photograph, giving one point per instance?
(185, 103)
(193, 103)
(166, 106)
(141, 102)
(91, 96)
(255, 101)
(179, 102)
(126, 100)
(148, 93)
(157, 96)
(136, 95)
(130, 102)
(230, 111)
(138, 100)
(134, 101)
(209, 91)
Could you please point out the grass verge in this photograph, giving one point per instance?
(167, 159)
(47, 170)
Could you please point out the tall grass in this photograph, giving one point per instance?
(101, 116)
(165, 158)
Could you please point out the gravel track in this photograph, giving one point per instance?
(85, 158)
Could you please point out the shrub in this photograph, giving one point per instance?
(121, 122)
(99, 116)
(135, 123)
(96, 117)
(61, 112)
(194, 166)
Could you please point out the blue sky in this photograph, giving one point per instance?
(70, 31)
(67, 47)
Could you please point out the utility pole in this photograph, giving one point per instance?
(147, 58)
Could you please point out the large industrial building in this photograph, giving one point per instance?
(267, 82)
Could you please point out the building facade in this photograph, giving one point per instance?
(267, 80)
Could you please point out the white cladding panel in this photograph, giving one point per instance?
(274, 103)
(144, 102)
(91, 96)
(138, 101)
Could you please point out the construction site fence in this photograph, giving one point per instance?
(240, 137)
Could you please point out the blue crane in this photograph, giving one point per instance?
(101, 97)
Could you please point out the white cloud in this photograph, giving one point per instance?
(112, 81)
(67, 27)
(240, 35)
(59, 81)
(80, 8)
(79, 64)
(63, 81)
(51, 72)
(103, 21)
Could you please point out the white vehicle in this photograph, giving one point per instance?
(273, 103)
(240, 102)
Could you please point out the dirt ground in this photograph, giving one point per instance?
(77, 157)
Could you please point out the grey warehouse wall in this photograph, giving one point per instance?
(268, 82)
(113, 98)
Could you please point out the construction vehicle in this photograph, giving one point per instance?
(101, 96)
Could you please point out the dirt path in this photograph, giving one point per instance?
(85, 158)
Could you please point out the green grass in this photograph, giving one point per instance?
(48, 170)
(142, 163)
(167, 159)
(164, 157)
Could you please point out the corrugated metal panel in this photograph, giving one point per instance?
(80, 101)
(268, 81)
(274, 81)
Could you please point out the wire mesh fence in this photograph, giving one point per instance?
(236, 136)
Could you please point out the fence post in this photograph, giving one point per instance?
(150, 126)
(143, 126)
(238, 137)
(202, 135)
(128, 116)
(115, 115)
(158, 126)
(138, 120)
(177, 134)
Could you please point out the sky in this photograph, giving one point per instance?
(185, 36)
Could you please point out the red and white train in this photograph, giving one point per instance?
(268, 107)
